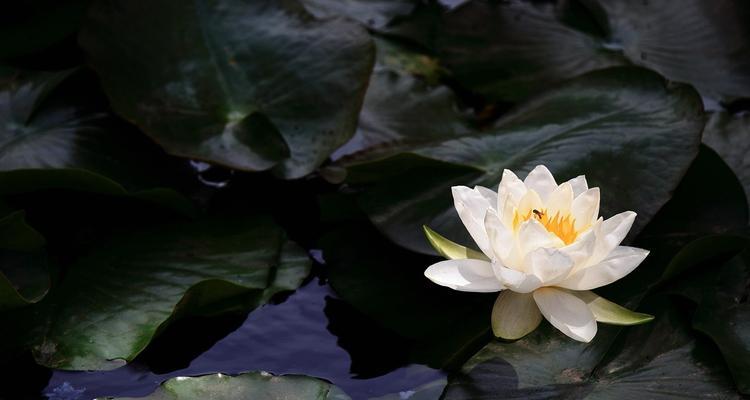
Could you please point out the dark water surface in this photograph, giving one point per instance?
(292, 337)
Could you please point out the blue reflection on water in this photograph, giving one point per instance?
(287, 338)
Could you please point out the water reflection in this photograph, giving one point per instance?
(288, 338)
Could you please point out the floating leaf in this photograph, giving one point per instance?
(114, 301)
(729, 135)
(24, 278)
(373, 13)
(626, 129)
(250, 385)
(250, 85)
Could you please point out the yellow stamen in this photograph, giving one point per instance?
(562, 227)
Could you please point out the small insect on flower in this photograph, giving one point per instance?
(543, 247)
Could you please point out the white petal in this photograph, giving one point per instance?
(506, 211)
(541, 180)
(514, 315)
(533, 235)
(512, 186)
(471, 207)
(581, 250)
(529, 202)
(516, 281)
(560, 201)
(549, 265)
(488, 194)
(501, 238)
(620, 262)
(579, 185)
(567, 313)
(467, 275)
(611, 233)
(585, 208)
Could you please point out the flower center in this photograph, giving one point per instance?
(562, 227)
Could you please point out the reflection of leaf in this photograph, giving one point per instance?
(24, 277)
(624, 128)
(654, 361)
(724, 315)
(250, 85)
(113, 301)
(729, 136)
(373, 13)
(250, 385)
(54, 136)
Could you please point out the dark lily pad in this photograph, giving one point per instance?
(627, 130)
(56, 134)
(373, 13)
(114, 301)
(24, 278)
(250, 385)
(729, 135)
(250, 85)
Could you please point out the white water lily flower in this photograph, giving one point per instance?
(544, 247)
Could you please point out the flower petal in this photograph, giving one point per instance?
(511, 186)
(530, 201)
(516, 281)
(501, 238)
(488, 194)
(533, 235)
(515, 315)
(608, 312)
(579, 185)
(620, 262)
(471, 207)
(567, 313)
(467, 275)
(585, 208)
(581, 250)
(549, 265)
(611, 233)
(560, 201)
(542, 181)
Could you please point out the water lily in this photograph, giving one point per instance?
(543, 247)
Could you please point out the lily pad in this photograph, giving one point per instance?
(249, 85)
(729, 135)
(113, 302)
(724, 315)
(56, 134)
(660, 360)
(24, 278)
(373, 13)
(511, 50)
(250, 385)
(626, 129)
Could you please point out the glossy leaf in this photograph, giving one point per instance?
(450, 249)
(729, 135)
(24, 278)
(115, 300)
(56, 134)
(628, 131)
(250, 385)
(248, 85)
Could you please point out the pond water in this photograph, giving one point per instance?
(294, 336)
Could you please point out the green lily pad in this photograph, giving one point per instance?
(729, 135)
(55, 134)
(428, 391)
(373, 13)
(112, 302)
(247, 85)
(627, 130)
(661, 360)
(511, 50)
(250, 385)
(24, 278)
(724, 315)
